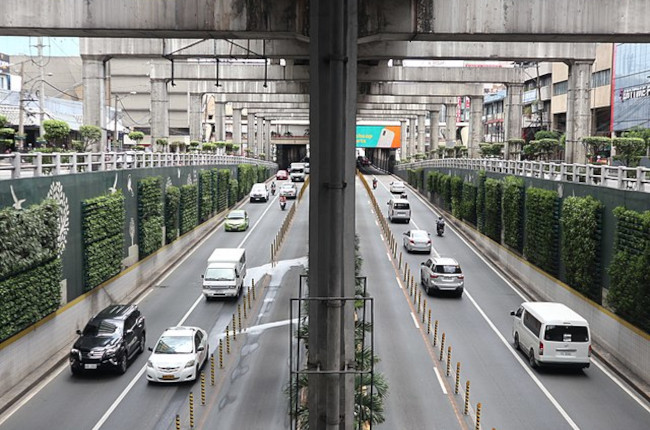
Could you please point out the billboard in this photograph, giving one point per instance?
(378, 136)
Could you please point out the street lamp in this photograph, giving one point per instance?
(117, 98)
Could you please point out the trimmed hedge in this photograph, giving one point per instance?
(456, 185)
(445, 191)
(205, 194)
(262, 173)
(223, 189)
(246, 177)
(493, 209)
(468, 204)
(581, 226)
(189, 216)
(542, 229)
(102, 226)
(480, 202)
(513, 212)
(150, 215)
(233, 193)
(172, 205)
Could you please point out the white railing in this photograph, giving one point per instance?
(621, 177)
(35, 164)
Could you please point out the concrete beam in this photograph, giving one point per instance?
(247, 87)
(430, 89)
(257, 106)
(262, 98)
(403, 100)
(469, 75)
(192, 71)
(402, 113)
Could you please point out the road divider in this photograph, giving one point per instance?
(279, 237)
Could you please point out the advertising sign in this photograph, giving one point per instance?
(378, 136)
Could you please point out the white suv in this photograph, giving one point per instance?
(442, 274)
(259, 192)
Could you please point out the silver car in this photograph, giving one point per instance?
(442, 274)
(397, 187)
(417, 240)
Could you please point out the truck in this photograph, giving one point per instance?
(225, 273)
(297, 172)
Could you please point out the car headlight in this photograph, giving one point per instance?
(189, 364)
(111, 351)
(149, 363)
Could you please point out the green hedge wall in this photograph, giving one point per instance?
(223, 189)
(29, 239)
(205, 194)
(542, 229)
(581, 227)
(214, 175)
(189, 216)
(172, 205)
(233, 193)
(29, 296)
(262, 173)
(246, 177)
(493, 191)
(513, 212)
(432, 180)
(150, 215)
(469, 203)
(456, 196)
(629, 292)
(480, 202)
(445, 191)
(102, 227)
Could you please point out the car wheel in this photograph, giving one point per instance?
(531, 359)
(121, 368)
(76, 370)
(516, 341)
(142, 343)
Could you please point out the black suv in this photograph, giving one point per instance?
(109, 340)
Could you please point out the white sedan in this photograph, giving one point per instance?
(417, 240)
(179, 355)
(397, 187)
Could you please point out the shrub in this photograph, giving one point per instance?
(547, 134)
(223, 188)
(232, 192)
(150, 215)
(172, 205)
(56, 131)
(629, 150)
(493, 209)
(490, 149)
(456, 185)
(189, 217)
(513, 212)
(205, 193)
(542, 229)
(480, 201)
(469, 203)
(445, 191)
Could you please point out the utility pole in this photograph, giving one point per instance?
(21, 103)
(115, 128)
(41, 95)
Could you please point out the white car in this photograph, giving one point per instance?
(179, 355)
(397, 187)
(259, 192)
(417, 240)
(289, 191)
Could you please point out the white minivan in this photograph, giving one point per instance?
(225, 273)
(551, 334)
(399, 210)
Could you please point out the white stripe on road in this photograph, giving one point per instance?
(389, 259)
(442, 384)
(399, 284)
(415, 321)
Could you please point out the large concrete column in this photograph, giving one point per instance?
(404, 139)
(236, 129)
(250, 133)
(475, 126)
(412, 126)
(450, 124)
(333, 92)
(513, 115)
(579, 95)
(194, 112)
(93, 72)
(422, 133)
(259, 148)
(267, 139)
(219, 121)
(159, 112)
(434, 127)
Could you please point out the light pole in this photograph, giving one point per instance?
(117, 98)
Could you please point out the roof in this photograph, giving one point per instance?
(494, 97)
(445, 260)
(553, 312)
(180, 330)
(223, 255)
(115, 312)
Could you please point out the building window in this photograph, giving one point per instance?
(560, 88)
(600, 79)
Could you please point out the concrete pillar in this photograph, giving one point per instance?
(422, 133)
(475, 126)
(434, 126)
(236, 129)
(219, 121)
(412, 125)
(159, 112)
(194, 112)
(513, 115)
(93, 75)
(333, 93)
(267, 139)
(579, 95)
(250, 133)
(259, 148)
(404, 139)
(450, 124)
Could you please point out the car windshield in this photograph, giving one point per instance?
(401, 206)
(447, 268)
(288, 187)
(100, 328)
(566, 333)
(175, 345)
(236, 215)
(219, 274)
(419, 235)
(297, 171)
(398, 184)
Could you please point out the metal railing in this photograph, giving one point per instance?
(36, 164)
(620, 177)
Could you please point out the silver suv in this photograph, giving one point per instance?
(442, 274)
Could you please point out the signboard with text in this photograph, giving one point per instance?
(378, 136)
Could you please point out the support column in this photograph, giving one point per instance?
(475, 126)
(194, 111)
(580, 120)
(422, 133)
(250, 133)
(94, 103)
(267, 139)
(259, 148)
(434, 130)
(333, 92)
(236, 129)
(219, 121)
(513, 115)
(159, 112)
(412, 125)
(450, 124)
(404, 139)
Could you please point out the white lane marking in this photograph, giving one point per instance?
(388, 256)
(415, 321)
(376, 223)
(620, 383)
(381, 236)
(442, 384)
(524, 365)
(250, 231)
(143, 296)
(399, 284)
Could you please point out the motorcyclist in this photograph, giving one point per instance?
(283, 202)
(374, 183)
(404, 196)
(273, 188)
(440, 225)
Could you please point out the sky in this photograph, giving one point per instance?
(54, 46)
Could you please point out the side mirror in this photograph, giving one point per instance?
(405, 233)
(150, 349)
(423, 263)
(202, 276)
(387, 203)
(512, 313)
(200, 348)
(129, 331)
(78, 332)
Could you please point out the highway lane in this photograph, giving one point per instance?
(479, 328)
(89, 397)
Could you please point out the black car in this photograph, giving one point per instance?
(109, 340)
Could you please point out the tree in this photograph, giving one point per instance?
(629, 149)
(162, 143)
(641, 133)
(56, 131)
(3, 121)
(490, 149)
(596, 145)
(136, 136)
(91, 135)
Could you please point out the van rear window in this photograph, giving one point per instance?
(448, 268)
(401, 206)
(566, 333)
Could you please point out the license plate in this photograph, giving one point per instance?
(168, 377)
(447, 278)
(565, 353)
(90, 366)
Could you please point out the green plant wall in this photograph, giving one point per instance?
(493, 190)
(205, 193)
(233, 193)
(513, 212)
(189, 216)
(445, 191)
(480, 202)
(456, 185)
(150, 215)
(246, 177)
(172, 206)
(223, 189)
(542, 225)
(469, 203)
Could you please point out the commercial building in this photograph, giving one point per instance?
(631, 93)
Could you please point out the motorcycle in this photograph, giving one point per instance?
(283, 204)
(440, 228)
(374, 184)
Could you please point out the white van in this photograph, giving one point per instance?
(399, 210)
(297, 172)
(224, 276)
(551, 334)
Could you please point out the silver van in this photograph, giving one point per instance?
(399, 210)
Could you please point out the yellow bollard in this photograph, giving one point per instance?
(220, 354)
(239, 315)
(406, 270)
(191, 410)
(466, 411)
(419, 299)
(227, 339)
(478, 416)
(448, 361)
(212, 369)
(442, 346)
(399, 267)
(178, 422)
(457, 377)
(429, 322)
(247, 296)
(202, 388)
(234, 327)
(424, 309)
(435, 333)
(253, 287)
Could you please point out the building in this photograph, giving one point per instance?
(493, 116)
(631, 95)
